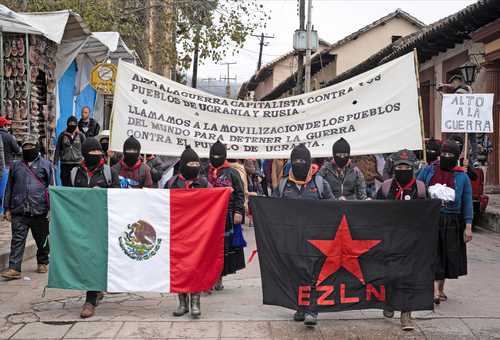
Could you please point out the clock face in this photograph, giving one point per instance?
(105, 73)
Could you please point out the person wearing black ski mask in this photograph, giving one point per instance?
(220, 174)
(133, 172)
(93, 172)
(346, 180)
(303, 182)
(26, 205)
(69, 150)
(432, 150)
(455, 221)
(403, 186)
(188, 178)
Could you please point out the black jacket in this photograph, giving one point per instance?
(26, 194)
(229, 177)
(177, 182)
(97, 180)
(10, 147)
(69, 148)
(90, 128)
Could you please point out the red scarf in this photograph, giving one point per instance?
(400, 189)
(213, 173)
(89, 172)
(134, 167)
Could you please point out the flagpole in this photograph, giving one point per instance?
(415, 56)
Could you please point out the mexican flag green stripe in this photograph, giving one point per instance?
(84, 250)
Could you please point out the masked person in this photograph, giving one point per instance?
(345, 179)
(432, 150)
(188, 178)
(93, 172)
(403, 186)
(221, 174)
(133, 172)
(69, 150)
(157, 167)
(303, 182)
(26, 205)
(455, 221)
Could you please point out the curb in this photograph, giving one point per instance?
(29, 252)
(491, 221)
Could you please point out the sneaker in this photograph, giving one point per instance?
(407, 323)
(299, 316)
(310, 320)
(11, 274)
(388, 313)
(42, 269)
(219, 285)
(88, 310)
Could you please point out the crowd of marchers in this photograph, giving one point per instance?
(85, 161)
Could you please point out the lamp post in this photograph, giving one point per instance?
(468, 71)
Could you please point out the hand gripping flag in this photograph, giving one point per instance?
(326, 256)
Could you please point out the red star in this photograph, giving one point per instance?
(342, 251)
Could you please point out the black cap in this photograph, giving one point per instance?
(218, 149)
(189, 155)
(433, 144)
(301, 152)
(72, 119)
(341, 146)
(451, 146)
(404, 156)
(91, 144)
(132, 144)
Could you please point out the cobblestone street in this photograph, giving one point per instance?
(472, 311)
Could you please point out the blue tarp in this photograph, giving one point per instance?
(86, 98)
(66, 91)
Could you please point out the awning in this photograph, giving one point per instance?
(107, 45)
(11, 23)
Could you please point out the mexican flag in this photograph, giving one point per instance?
(137, 240)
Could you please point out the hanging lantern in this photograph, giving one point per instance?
(468, 71)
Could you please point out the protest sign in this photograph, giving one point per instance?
(467, 113)
(376, 112)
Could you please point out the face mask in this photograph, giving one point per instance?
(432, 155)
(29, 155)
(341, 161)
(216, 161)
(447, 163)
(300, 170)
(403, 177)
(92, 160)
(71, 128)
(130, 158)
(105, 147)
(189, 172)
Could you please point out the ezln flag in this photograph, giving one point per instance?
(330, 256)
(149, 240)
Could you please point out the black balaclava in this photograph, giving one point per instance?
(187, 171)
(71, 124)
(29, 155)
(460, 142)
(433, 149)
(218, 154)
(130, 157)
(301, 162)
(104, 144)
(448, 163)
(91, 144)
(341, 146)
(403, 177)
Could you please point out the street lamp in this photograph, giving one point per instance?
(468, 71)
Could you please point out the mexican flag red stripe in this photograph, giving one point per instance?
(149, 240)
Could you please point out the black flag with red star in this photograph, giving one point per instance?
(326, 256)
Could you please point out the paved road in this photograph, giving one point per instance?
(472, 312)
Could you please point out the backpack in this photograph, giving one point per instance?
(105, 169)
(319, 181)
(421, 189)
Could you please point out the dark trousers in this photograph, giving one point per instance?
(66, 174)
(39, 229)
(91, 297)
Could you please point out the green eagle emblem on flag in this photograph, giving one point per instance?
(139, 242)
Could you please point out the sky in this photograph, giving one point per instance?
(333, 19)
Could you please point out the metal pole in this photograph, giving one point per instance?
(28, 81)
(308, 50)
(300, 57)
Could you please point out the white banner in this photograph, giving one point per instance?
(376, 112)
(467, 113)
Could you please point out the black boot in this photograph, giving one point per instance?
(195, 305)
(182, 306)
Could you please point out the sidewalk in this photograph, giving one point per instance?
(237, 312)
